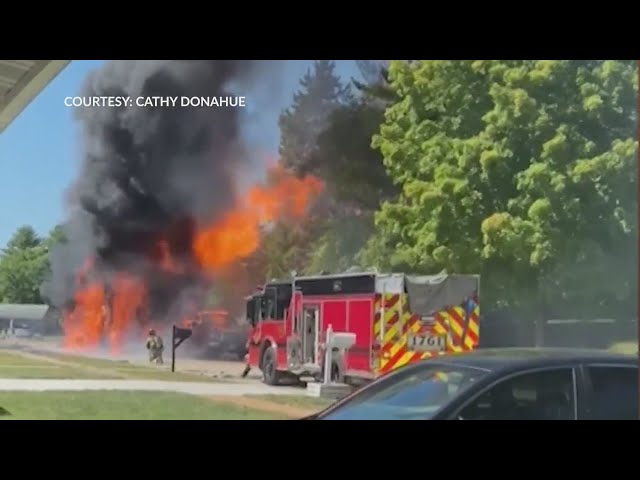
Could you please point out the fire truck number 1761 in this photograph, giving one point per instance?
(427, 343)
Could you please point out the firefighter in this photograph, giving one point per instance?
(155, 347)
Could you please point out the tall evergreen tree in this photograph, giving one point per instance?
(300, 125)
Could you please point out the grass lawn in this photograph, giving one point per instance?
(628, 348)
(90, 361)
(126, 369)
(52, 372)
(13, 359)
(298, 401)
(14, 365)
(114, 405)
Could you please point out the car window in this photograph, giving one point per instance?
(614, 394)
(542, 395)
(407, 395)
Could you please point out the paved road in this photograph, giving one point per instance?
(194, 388)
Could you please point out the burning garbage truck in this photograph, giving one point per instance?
(217, 335)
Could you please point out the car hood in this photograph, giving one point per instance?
(379, 412)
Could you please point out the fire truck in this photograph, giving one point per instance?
(396, 319)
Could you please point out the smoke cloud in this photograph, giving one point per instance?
(150, 176)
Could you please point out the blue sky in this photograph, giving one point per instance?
(40, 151)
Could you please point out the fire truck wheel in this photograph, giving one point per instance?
(270, 374)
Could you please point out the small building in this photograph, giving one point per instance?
(34, 318)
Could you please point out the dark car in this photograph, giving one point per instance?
(500, 384)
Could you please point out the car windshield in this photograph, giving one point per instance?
(415, 394)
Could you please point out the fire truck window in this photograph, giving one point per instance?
(546, 395)
(267, 308)
(614, 393)
(250, 311)
(281, 305)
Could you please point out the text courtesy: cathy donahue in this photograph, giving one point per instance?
(157, 101)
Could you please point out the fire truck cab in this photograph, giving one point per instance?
(396, 319)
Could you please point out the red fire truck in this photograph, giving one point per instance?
(396, 319)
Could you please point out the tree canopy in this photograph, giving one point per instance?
(523, 171)
(327, 132)
(24, 265)
(321, 92)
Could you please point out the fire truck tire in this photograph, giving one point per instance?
(270, 374)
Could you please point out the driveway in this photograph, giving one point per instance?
(194, 388)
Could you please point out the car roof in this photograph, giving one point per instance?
(496, 359)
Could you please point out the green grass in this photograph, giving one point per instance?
(298, 401)
(14, 359)
(53, 372)
(14, 365)
(114, 405)
(628, 348)
(90, 361)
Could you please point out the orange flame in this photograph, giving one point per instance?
(128, 299)
(237, 234)
(99, 317)
(92, 320)
(83, 327)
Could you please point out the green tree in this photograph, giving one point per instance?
(352, 171)
(523, 171)
(23, 238)
(56, 236)
(355, 177)
(335, 250)
(320, 94)
(23, 266)
(287, 245)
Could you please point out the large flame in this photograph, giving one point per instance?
(105, 315)
(128, 296)
(237, 234)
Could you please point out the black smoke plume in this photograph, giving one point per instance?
(151, 174)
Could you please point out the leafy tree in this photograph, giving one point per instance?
(335, 250)
(523, 171)
(23, 265)
(25, 237)
(56, 236)
(353, 172)
(286, 246)
(321, 92)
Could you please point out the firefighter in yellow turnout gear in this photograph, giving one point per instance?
(155, 347)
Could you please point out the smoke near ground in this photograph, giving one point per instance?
(150, 176)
